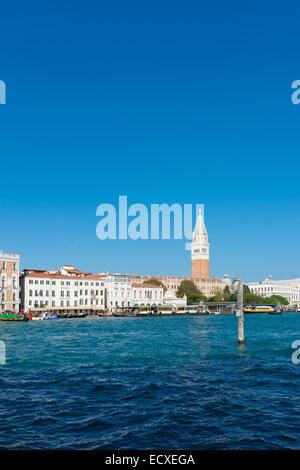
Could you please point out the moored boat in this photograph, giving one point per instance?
(192, 309)
(165, 309)
(13, 317)
(144, 310)
(181, 310)
(258, 309)
(44, 316)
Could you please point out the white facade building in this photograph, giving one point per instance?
(118, 290)
(289, 289)
(63, 289)
(123, 290)
(146, 294)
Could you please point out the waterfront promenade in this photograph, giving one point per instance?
(104, 383)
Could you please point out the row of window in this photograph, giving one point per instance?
(3, 281)
(40, 293)
(3, 297)
(66, 283)
(147, 294)
(4, 266)
(62, 303)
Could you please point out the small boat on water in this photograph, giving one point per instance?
(144, 310)
(13, 317)
(44, 316)
(195, 310)
(258, 309)
(192, 309)
(164, 309)
(181, 310)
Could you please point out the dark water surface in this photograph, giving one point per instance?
(156, 383)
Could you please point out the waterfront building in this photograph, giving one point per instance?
(125, 290)
(9, 282)
(62, 290)
(118, 290)
(208, 287)
(146, 294)
(289, 289)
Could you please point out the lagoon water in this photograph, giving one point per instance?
(155, 383)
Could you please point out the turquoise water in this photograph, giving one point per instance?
(156, 383)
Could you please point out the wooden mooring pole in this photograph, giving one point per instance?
(240, 312)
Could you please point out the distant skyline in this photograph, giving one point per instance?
(163, 102)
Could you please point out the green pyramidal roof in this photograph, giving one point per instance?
(200, 229)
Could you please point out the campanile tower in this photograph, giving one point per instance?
(200, 250)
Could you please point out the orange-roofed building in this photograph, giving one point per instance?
(62, 290)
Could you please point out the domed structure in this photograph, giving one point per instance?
(171, 299)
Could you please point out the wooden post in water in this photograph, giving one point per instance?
(240, 308)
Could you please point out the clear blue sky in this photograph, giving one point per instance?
(185, 102)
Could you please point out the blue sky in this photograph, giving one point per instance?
(175, 102)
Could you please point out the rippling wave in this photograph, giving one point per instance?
(155, 383)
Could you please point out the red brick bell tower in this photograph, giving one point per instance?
(200, 250)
